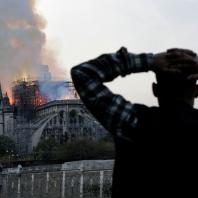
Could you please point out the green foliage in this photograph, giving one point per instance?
(47, 149)
(78, 150)
(105, 150)
(85, 149)
(7, 146)
(82, 149)
(107, 138)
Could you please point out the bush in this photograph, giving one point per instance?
(82, 149)
(47, 149)
(7, 146)
(86, 149)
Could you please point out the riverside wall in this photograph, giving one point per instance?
(80, 179)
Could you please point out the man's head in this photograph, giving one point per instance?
(172, 87)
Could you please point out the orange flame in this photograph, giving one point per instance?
(11, 99)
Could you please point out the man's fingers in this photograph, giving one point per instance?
(183, 61)
(172, 70)
(175, 54)
(185, 68)
(178, 57)
(186, 51)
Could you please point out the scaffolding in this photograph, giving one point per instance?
(27, 95)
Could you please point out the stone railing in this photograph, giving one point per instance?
(81, 179)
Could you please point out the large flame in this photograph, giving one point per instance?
(39, 99)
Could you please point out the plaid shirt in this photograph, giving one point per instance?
(111, 110)
(148, 161)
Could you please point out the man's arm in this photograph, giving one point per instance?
(111, 110)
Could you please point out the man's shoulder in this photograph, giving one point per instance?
(142, 108)
(155, 109)
(146, 114)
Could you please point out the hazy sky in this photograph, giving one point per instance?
(79, 30)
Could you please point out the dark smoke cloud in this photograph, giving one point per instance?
(21, 40)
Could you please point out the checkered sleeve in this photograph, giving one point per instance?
(110, 109)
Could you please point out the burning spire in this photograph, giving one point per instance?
(22, 40)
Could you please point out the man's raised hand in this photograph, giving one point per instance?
(179, 61)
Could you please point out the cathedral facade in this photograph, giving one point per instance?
(6, 116)
(63, 120)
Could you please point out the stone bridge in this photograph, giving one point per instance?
(80, 179)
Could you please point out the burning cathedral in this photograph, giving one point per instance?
(42, 108)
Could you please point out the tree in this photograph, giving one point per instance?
(47, 149)
(105, 149)
(85, 149)
(7, 146)
(78, 150)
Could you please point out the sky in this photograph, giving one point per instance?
(79, 30)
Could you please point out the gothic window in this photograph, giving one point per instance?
(61, 114)
(55, 120)
(72, 113)
(73, 116)
(84, 131)
(90, 132)
(81, 119)
(73, 135)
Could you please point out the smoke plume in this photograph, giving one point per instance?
(22, 40)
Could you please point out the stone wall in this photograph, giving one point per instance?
(82, 179)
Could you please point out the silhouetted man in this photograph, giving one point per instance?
(156, 147)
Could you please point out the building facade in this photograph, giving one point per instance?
(65, 120)
(6, 116)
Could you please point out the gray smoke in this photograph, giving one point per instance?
(21, 40)
(55, 90)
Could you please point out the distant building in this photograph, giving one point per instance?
(46, 109)
(6, 116)
(29, 94)
(65, 120)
